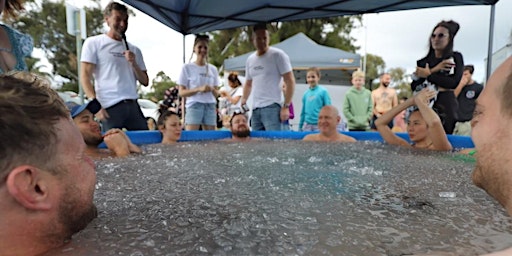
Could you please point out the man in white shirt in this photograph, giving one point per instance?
(116, 66)
(265, 70)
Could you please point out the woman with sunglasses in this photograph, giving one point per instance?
(14, 46)
(441, 70)
(198, 84)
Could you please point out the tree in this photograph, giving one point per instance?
(332, 32)
(45, 21)
(375, 65)
(159, 84)
(400, 81)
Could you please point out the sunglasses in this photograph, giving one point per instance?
(440, 35)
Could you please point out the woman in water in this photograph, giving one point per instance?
(198, 83)
(169, 125)
(441, 69)
(423, 126)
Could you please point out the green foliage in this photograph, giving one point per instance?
(375, 65)
(331, 32)
(45, 21)
(228, 43)
(159, 84)
(399, 81)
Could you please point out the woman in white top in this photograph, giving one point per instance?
(231, 99)
(198, 85)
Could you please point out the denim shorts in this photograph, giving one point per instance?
(309, 127)
(201, 113)
(266, 118)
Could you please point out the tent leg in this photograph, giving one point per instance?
(489, 47)
(183, 39)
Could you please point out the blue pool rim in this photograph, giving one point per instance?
(152, 137)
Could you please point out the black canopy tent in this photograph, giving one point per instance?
(197, 16)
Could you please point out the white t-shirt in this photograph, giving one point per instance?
(266, 73)
(237, 92)
(193, 76)
(114, 77)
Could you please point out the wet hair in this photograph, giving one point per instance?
(237, 113)
(30, 113)
(453, 28)
(233, 77)
(316, 70)
(358, 74)
(165, 113)
(12, 7)
(469, 68)
(114, 6)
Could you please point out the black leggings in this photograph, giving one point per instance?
(446, 107)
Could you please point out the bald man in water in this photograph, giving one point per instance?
(47, 181)
(492, 136)
(328, 120)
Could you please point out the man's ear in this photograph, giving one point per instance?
(28, 185)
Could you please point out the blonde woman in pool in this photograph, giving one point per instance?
(423, 125)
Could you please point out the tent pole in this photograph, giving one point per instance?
(489, 47)
(183, 48)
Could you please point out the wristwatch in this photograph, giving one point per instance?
(286, 105)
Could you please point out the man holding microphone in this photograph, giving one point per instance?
(115, 66)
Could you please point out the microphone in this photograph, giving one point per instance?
(123, 36)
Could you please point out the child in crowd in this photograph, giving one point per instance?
(358, 104)
(313, 100)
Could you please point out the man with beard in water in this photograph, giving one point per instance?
(492, 136)
(47, 180)
(384, 99)
(239, 129)
(118, 143)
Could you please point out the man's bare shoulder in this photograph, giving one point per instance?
(337, 138)
(345, 138)
(311, 137)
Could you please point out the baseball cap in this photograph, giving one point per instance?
(94, 106)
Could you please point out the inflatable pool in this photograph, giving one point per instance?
(151, 137)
